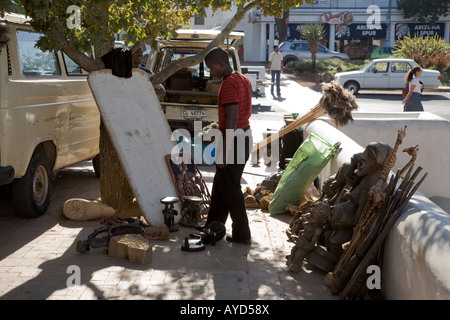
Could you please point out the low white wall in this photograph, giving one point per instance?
(417, 255)
(429, 131)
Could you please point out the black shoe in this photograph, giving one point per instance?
(245, 242)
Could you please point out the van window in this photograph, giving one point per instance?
(33, 61)
(72, 68)
(199, 70)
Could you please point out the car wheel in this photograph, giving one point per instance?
(288, 61)
(352, 86)
(31, 193)
(96, 165)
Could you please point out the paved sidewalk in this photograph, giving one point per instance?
(36, 255)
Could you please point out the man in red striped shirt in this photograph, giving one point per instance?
(235, 109)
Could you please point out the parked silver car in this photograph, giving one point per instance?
(299, 50)
(386, 74)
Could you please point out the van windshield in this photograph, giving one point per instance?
(199, 70)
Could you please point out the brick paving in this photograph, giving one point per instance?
(36, 253)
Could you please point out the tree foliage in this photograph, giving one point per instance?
(314, 33)
(425, 51)
(141, 21)
(424, 10)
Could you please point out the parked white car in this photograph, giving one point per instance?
(385, 74)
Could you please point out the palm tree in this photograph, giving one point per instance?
(313, 33)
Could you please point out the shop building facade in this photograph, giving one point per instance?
(351, 26)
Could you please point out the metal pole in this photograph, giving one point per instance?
(388, 25)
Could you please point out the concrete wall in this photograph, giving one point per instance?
(429, 131)
(417, 249)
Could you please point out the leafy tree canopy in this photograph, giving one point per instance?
(424, 10)
(141, 21)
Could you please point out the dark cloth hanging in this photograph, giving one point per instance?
(120, 61)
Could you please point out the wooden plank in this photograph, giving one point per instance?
(141, 135)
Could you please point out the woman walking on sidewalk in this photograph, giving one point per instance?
(412, 100)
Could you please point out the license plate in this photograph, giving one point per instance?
(193, 113)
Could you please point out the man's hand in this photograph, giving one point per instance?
(160, 90)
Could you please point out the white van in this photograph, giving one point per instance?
(48, 117)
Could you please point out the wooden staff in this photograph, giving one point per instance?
(361, 270)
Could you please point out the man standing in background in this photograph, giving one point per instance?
(275, 68)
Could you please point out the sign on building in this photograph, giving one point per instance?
(421, 29)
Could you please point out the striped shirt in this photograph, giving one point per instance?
(235, 89)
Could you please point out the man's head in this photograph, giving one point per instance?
(275, 48)
(217, 62)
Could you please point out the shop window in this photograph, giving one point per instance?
(33, 61)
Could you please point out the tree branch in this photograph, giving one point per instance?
(80, 58)
(174, 66)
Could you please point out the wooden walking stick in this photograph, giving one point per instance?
(360, 271)
(336, 101)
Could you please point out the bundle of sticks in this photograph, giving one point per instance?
(335, 101)
(350, 281)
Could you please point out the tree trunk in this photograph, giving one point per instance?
(313, 47)
(282, 26)
(115, 189)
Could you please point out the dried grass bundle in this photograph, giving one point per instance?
(337, 102)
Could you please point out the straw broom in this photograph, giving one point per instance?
(336, 101)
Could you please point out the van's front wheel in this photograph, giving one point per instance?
(31, 193)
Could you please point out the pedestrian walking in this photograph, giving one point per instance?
(235, 108)
(412, 100)
(275, 68)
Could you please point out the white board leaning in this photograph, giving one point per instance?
(141, 135)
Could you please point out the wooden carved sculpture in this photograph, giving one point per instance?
(313, 224)
(353, 197)
(370, 208)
